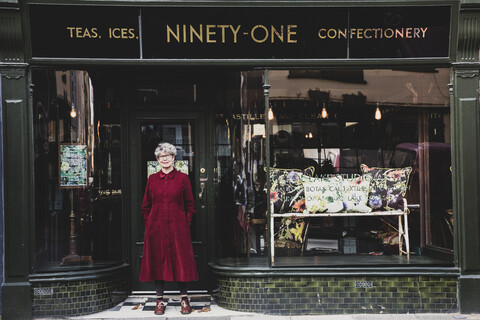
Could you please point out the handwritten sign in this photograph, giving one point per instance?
(73, 166)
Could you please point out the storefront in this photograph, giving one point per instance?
(267, 105)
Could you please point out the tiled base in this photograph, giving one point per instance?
(73, 298)
(303, 295)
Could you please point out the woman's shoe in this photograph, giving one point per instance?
(160, 308)
(186, 309)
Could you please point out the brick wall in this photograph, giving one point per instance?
(338, 295)
(72, 298)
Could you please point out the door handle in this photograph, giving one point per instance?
(202, 189)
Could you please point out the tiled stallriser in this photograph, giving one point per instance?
(337, 295)
(73, 298)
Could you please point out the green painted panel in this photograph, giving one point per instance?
(17, 173)
(466, 168)
(11, 40)
(16, 301)
(469, 291)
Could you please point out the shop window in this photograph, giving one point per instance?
(239, 174)
(78, 210)
(337, 121)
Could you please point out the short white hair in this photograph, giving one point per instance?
(165, 147)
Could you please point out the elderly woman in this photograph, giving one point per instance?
(167, 209)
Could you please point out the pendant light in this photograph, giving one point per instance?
(378, 114)
(73, 113)
(324, 112)
(270, 113)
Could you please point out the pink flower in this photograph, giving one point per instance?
(274, 196)
(299, 206)
(395, 175)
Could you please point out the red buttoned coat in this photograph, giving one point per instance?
(168, 207)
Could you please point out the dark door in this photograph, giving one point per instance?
(187, 132)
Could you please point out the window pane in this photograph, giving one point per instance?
(239, 152)
(335, 121)
(77, 174)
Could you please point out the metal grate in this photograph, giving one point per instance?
(43, 291)
(363, 284)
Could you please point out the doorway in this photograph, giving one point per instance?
(185, 130)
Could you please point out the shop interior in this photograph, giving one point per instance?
(333, 120)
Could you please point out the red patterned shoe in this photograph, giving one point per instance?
(186, 309)
(160, 308)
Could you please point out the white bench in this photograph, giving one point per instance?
(402, 225)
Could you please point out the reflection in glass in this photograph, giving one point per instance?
(239, 152)
(337, 120)
(77, 174)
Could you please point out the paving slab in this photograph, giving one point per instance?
(140, 307)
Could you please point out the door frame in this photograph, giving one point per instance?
(133, 183)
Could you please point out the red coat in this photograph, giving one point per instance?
(168, 207)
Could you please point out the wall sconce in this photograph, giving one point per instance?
(378, 114)
(324, 112)
(73, 113)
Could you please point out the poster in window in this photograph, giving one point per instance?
(73, 166)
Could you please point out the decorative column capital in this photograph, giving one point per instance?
(469, 36)
(11, 37)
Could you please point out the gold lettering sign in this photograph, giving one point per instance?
(373, 33)
(94, 33)
(227, 33)
(263, 33)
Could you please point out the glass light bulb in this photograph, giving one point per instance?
(310, 135)
(324, 113)
(270, 114)
(73, 113)
(378, 114)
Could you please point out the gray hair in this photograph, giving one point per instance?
(165, 147)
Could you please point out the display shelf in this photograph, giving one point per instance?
(403, 234)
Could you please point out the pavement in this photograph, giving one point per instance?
(141, 307)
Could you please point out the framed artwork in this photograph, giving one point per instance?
(73, 166)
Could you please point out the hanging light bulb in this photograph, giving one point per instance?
(324, 112)
(306, 136)
(310, 135)
(378, 114)
(270, 113)
(73, 113)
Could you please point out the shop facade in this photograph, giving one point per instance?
(256, 97)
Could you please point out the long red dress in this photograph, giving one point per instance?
(168, 207)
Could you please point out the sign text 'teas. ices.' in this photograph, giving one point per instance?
(239, 32)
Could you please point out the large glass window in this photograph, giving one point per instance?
(338, 121)
(239, 166)
(322, 123)
(78, 209)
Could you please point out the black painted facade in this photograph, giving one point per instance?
(398, 289)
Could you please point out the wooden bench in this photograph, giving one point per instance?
(402, 225)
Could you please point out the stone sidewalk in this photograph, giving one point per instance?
(141, 307)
